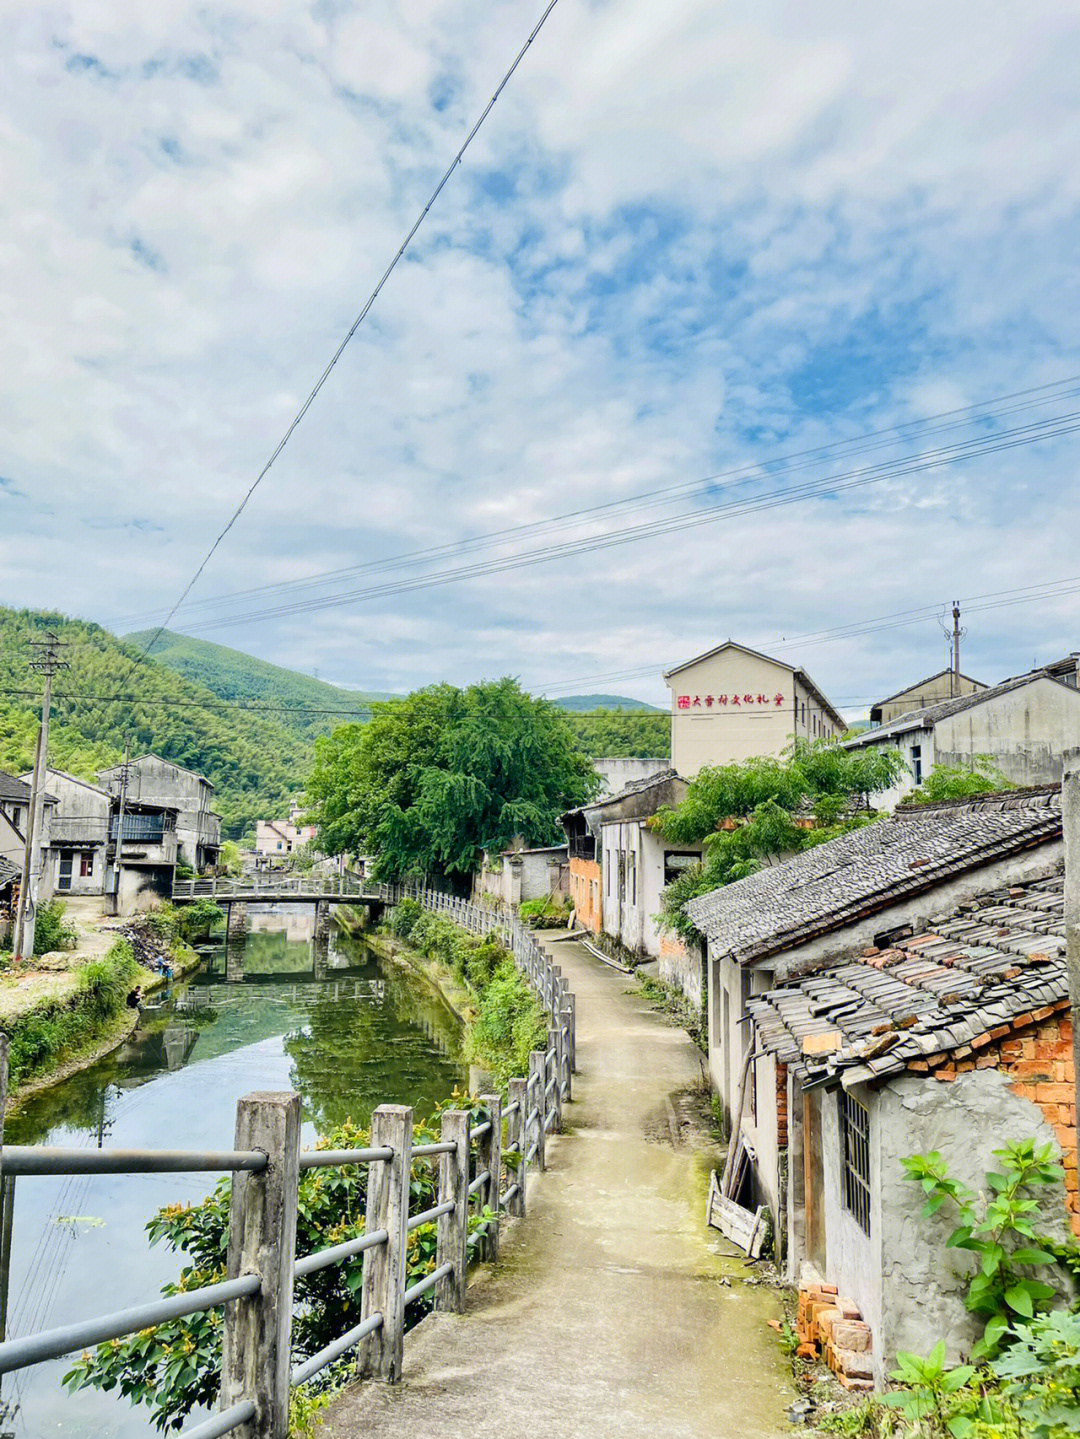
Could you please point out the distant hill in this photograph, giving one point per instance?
(607, 702)
(255, 763)
(233, 675)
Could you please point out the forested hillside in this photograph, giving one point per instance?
(254, 761)
(606, 702)
(618, 732)
(233, 675)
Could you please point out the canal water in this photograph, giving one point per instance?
(275, 1011)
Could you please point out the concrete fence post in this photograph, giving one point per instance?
(453, 1238)
(556, 1051)
(385, 1268)
(518, 1093)
(262, 1240)
(538, 1074)
(489, 1157)
(567, 1043)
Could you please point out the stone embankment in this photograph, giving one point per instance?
(613, 1310)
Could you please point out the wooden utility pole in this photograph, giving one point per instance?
(120, 826)
(46, 663)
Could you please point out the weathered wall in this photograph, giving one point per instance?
(154, 781)
(620, 770)
(632, 864)
(853, 1259)
(1026, 730)
(680, 966)
(923, 1282)
(937, 688)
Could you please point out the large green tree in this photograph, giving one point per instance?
(752, 814)
(439, 777)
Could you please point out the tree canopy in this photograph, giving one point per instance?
(439, 777)
(750, 814)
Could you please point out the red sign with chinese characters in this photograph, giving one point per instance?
(686, 702)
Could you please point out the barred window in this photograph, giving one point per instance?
(855, 1159)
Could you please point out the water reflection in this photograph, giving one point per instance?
(276, 1011)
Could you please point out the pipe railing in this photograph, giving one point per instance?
(266, 1164)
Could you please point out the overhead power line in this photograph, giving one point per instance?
(826, 486)
(992, 410)
(455, 162)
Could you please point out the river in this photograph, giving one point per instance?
(345, 1028)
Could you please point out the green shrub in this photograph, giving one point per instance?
(163, 921)
(510, 1023)
(199, 919)
(175, 1366)
(1040, 1371)
(51, 931)
(40, 1038)
(402, 917)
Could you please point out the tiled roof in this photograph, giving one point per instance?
(995, 964)
(928, 716)
(834, 884)
(12, 788)
(929, 680)
(8, 871)
(636, 786)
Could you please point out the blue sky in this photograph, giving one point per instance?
(690, 239)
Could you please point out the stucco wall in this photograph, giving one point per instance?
(1027, 731)
(585, 892)
(923, 1281)
(853, 1258)
(620, 770)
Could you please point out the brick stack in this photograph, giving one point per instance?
(832, 1328)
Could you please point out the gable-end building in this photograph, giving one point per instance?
(934, 689)
(733, 703)
(1024, 724)
(160, 783)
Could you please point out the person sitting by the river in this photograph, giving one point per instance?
(134, 999)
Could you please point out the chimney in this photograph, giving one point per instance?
(1070, 816)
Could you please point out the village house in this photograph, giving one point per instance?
(276, 838)
(156, 783)
(518, 874)
(861, 976)
(945, 685)
(733, 703)
(1024, 724)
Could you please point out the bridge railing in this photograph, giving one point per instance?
(483, 1168)
(273, 886)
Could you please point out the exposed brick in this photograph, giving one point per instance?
(806, 1351)
(981, 1040)
(859, 1386)
(855, 1364)
(1054, 1093)
(853, 1334)
(1001, 1031)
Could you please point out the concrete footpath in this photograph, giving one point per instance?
(606, 1314)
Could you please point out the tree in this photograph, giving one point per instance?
(439, 777)
(755, 813)
(957, 781)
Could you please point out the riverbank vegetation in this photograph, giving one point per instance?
(509, 1021)
(175, 1367)
(753, 814)
(438, 778)
(58, 1027)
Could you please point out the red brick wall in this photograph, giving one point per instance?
(781, 1105)
(1037, 1053)
(583, 873)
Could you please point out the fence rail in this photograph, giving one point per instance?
(474, 1162)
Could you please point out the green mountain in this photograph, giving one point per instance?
(233, 675)
(256, 762)
(607, 702)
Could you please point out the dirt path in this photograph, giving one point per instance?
(607, 1314)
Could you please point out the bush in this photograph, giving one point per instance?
(509, 1025)
(51, 932)
(176, 1366)
(198, 919)
(1041, 1374)
(40, 1038)
(402, 917)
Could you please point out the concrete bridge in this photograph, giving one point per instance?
(235, 896)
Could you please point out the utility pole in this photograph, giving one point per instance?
(954, 683)
(118, 851)
(45, 662)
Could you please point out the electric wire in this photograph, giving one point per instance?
(348, 336)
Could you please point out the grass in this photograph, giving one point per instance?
(675, 1005)
(46, 1035)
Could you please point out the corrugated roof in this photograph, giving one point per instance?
(836, 883)
(989, 966)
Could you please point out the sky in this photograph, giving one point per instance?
(691, 242)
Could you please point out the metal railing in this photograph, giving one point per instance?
(483, 1169)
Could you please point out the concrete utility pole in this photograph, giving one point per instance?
(120, 826)
(1070, 821)
(46, 662)
(954, 682)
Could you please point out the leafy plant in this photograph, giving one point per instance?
(944, 781)
(1040, 1371)
(51, 931)
(1000, 1231)
(927, 1386)
(175, 1367)
(199, 919)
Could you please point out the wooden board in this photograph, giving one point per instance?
(743, 1227)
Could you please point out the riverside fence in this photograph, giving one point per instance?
(483, 1168)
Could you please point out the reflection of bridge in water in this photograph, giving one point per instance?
(207, 996)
